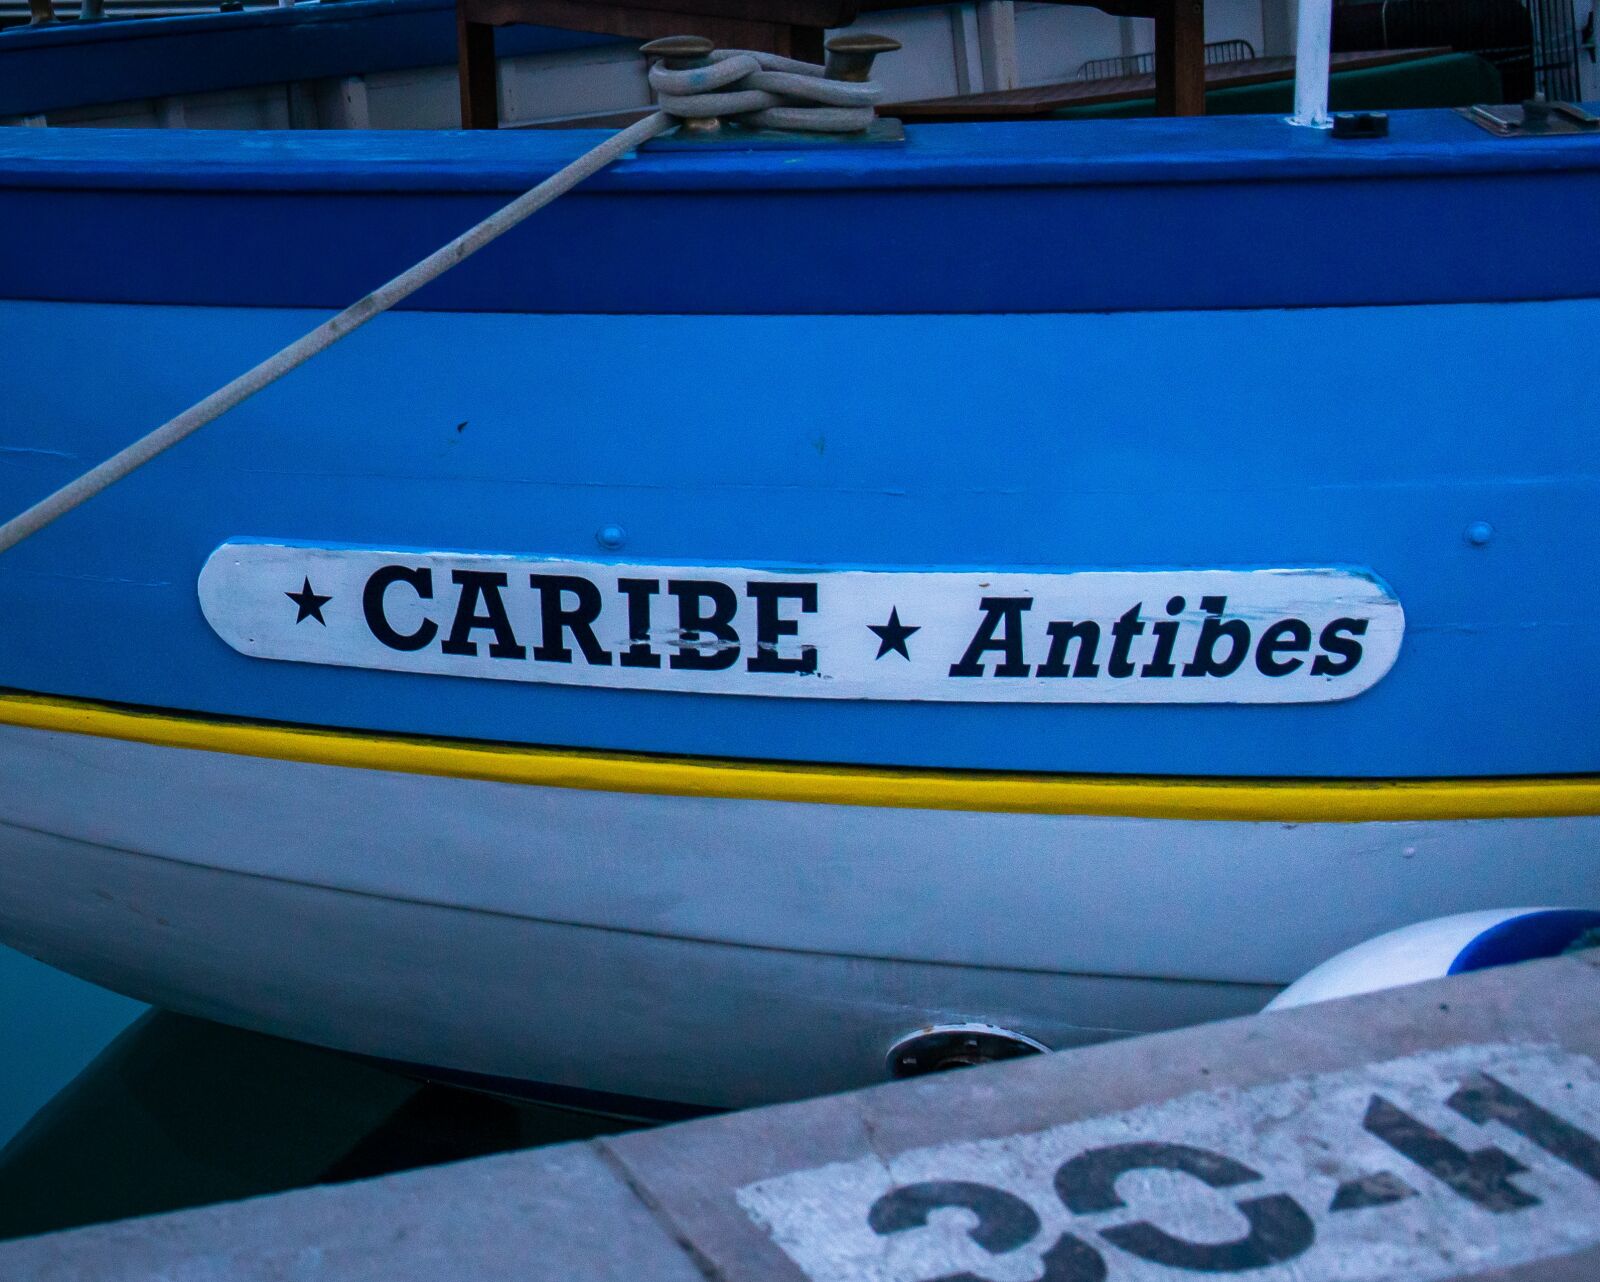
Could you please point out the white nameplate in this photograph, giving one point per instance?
(1101, 636)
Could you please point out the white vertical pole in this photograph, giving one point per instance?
(967, 48)
(1314, 42)
(997, 43)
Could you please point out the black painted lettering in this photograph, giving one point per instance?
(1071, 1259)
(1343, 651)
(1484, 1099)
(420, 581)
(639, 591)
(481, 586)
(1000, 631)
(1288, 636)
(1123, 631)
(1062, 635)
(1381, 1188)
(1166, 634)
(705, 610)
(1279, 1228)
(556, 619)
(772, 627)
(1004, 1223)
(1205, 662)
(1088, 1183)
(1482, 1177)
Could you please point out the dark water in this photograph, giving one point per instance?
(109, 1109)
(50, 1027)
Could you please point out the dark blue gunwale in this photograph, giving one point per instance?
(1239, 212)
(1433, 145)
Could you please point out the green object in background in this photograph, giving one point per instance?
(1445, 80)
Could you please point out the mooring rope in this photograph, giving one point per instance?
(766, 91)
(763, 89)
(325, 335)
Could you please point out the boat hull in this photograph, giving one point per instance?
(1026, 356)
(701, 950)
(1373, 438)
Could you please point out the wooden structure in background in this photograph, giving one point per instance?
(794, 28)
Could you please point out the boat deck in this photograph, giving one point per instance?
(1005, 154)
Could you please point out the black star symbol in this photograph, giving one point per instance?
(892, 635)
(309, 604)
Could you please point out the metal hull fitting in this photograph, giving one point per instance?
(701, 950)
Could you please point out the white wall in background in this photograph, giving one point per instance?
(1278, 27)
(1587, 12)
(1054, 41)
(951, 49)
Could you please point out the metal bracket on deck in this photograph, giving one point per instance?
(1535, 118)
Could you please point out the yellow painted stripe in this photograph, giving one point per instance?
(1273, 801)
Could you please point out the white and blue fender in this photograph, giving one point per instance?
(1455, 945)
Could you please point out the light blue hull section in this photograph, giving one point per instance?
(1369, 437)
(695, 950)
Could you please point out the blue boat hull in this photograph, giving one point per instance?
(1168, 346)
(1375, 437)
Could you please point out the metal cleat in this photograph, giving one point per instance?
(850, 57)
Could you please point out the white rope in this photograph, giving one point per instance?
(328, 333)
(766, 92)
(760, 89)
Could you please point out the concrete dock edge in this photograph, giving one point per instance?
(1446, 1130)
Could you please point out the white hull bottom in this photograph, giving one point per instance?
(700, 951)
